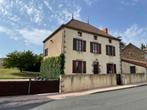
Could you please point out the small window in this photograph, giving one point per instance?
(132, 69)
(46, 52)
(95, 37)
(80, 34)
(111, 68)
(110, 41)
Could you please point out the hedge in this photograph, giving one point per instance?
(51, 68)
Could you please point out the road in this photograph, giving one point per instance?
(127, 99)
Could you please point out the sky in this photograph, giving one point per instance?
(24, 24)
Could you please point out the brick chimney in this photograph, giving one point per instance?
(105, 30)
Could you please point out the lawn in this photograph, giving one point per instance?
(14, 74)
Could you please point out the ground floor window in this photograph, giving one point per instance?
(111, 68)
(79, 66)
(96, 69)
(132, 69)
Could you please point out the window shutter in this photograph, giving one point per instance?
(84, 46)
(99, 47)
(113, 51)
(84, 66)
(114, 68)
(74, 66)
(91, 47)
(107, 50)
(74, 44)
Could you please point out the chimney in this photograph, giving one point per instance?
(105, 30)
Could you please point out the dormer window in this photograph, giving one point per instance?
(95, 37)
(80, 34)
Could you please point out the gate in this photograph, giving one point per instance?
(118, 79)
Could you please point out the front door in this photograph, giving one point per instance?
(96, 67)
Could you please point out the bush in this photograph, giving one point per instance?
(51, 68)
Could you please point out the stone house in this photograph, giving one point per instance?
(133, 60)
(87, 49)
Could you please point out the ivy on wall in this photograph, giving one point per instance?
(52, 68)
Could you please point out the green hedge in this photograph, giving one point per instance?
(51, 68)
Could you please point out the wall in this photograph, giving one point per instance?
(126, 68)
(54, 44)
(133, 78)
(87, 56)
(72, 83)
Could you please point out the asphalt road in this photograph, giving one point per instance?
(127, 99)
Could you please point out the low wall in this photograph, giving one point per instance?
(133, 78)
(73, 83)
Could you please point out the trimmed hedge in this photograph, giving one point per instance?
(51, 68)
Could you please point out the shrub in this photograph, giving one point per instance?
(51, 68)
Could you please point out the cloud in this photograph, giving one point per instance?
(32, 36)
(133, 34)
(129, 2)
(89, 2)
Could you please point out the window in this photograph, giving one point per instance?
(110, 50)
(96, 68)
(111, 68)
(79, 45)
(79, 66)
(95, 37)
(110, 41)
(80, 34)
(132, 69)
(95, 47)
(46, 52)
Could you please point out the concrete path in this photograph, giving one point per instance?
(14, 102)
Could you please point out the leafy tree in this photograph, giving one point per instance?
(24, 61)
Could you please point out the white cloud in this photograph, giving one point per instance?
(133, 34)
(89, 2)
(33, 36)
(129, 2)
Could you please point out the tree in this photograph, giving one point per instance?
(24, 61)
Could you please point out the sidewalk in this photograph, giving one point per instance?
(38, 98)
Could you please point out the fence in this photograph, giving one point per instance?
(8, 88)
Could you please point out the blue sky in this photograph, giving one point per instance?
(25, 23)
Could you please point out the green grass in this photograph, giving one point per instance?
(14, 74)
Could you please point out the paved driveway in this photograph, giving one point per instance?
(127, 99)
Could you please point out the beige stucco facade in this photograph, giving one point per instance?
(126, 68)
(54, 44)
(87, 56)
(62, 42)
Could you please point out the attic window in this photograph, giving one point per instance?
(110, 41)
(95, 37)
(79, 33)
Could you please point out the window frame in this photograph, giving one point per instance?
(110, 50)
(79, 45)
(95, 47)
(46, 52)
(79, 66)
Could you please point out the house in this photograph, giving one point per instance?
(87, 49)
(133, 60)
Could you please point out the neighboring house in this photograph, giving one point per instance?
(87, 49)
(133, 60)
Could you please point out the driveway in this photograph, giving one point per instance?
(127, 99)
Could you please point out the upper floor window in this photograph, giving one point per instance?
(110, 41)
(79, 45)
(79, 33)
(46, 52)
(110, 50)
(95, 47)
(95, 37)
(79, 66)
